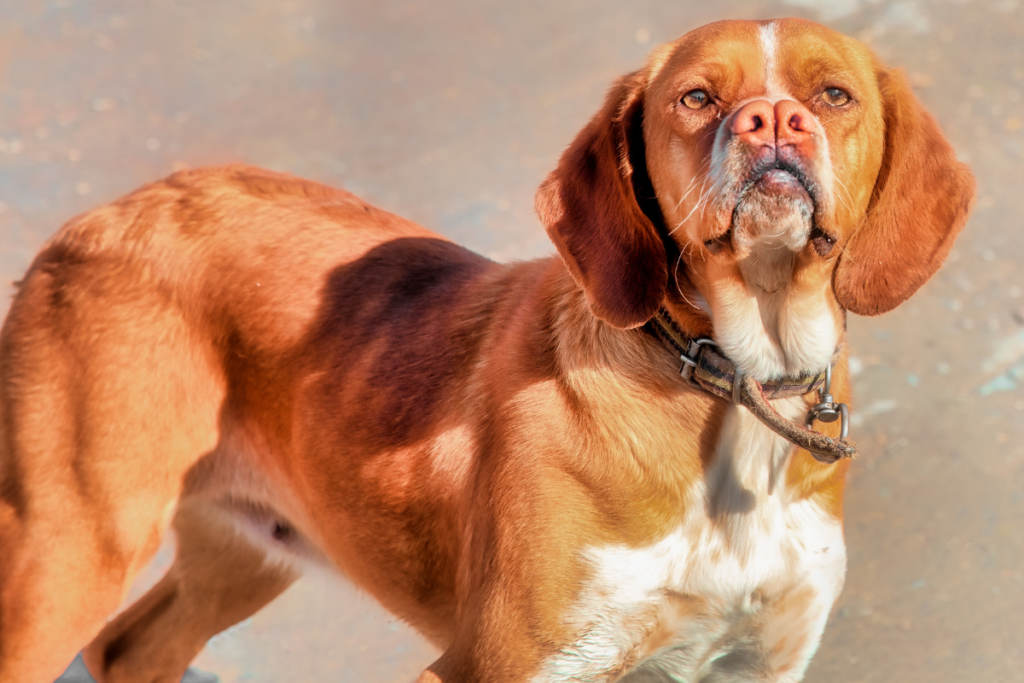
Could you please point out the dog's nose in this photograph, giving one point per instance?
(762, 124)
(794, 123)
(754, 124)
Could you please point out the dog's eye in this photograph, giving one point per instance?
(835, 97)
(695, 99)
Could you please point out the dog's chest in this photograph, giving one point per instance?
(744, 547)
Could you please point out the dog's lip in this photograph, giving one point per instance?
(781, 181)
(780, 178)
(715, 244)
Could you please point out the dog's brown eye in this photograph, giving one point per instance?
(835, 97)
(695, 99)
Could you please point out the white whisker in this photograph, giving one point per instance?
(695, 207)
(679, 289)
(848, 201)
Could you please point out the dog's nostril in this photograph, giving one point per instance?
(757, 123)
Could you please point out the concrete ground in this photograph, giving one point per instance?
(450, 113)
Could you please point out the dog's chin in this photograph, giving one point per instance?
(776, 211)
(770, 334)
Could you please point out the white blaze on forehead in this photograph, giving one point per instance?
(769, 38)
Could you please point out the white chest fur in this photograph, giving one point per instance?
(739, 591)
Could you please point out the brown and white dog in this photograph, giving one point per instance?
(504, 455)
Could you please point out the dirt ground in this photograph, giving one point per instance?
(451, 113)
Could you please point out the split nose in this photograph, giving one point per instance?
(762, 124)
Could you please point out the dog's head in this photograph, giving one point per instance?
(761, 177)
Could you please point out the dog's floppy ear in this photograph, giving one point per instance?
(920, 203)
(589, 206)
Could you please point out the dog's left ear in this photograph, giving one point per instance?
(920, 203)
(589, 206)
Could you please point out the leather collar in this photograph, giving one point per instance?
(704, 366)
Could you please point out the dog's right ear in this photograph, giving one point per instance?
(588, 205)
(921, 201)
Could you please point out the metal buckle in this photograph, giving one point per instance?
(827, 410)
(691, 357)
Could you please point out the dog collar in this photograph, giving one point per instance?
(704, 366)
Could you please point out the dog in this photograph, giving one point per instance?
(623, 462)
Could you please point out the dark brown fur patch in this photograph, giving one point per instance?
(590, 209)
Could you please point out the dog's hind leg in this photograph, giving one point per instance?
(106, 401)
(218, 578)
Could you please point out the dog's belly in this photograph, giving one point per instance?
(734, 593)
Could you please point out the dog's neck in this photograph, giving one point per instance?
(655, 401)
(704, 367)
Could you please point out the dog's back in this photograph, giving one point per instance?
(155, 338)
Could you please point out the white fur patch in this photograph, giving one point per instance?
(745, 331)
(771, 334)
(746, 580)
(808, 333)
(769, 38)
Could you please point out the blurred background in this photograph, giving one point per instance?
(450, 112)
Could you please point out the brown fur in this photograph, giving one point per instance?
(590, 207)
(920, 203)
(238, 349)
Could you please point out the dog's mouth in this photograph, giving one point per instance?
(782, 182)
(779, 179)
(766, 193)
